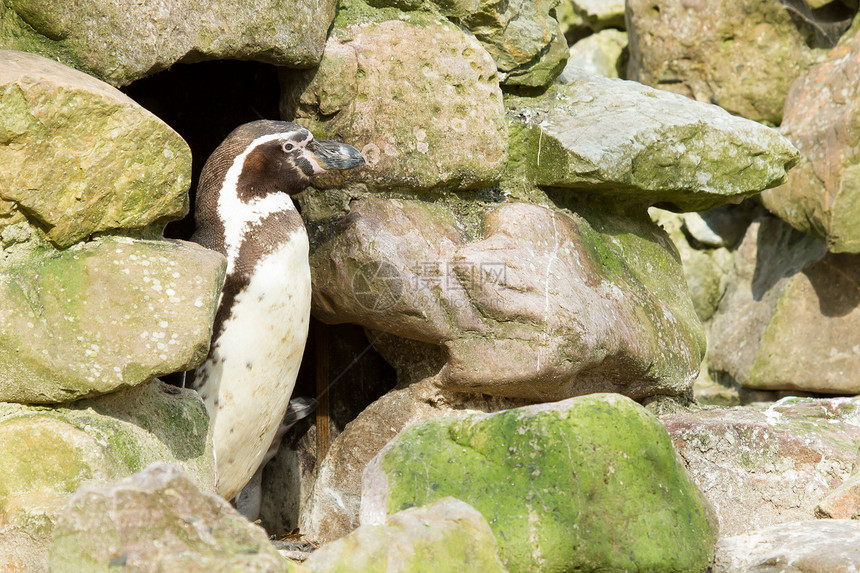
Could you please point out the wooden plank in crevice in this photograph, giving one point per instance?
(323, 378)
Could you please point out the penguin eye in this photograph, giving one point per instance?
(288, 147)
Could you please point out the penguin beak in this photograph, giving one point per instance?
(333, 155)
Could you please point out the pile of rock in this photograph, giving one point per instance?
(497, 250)
(93, 303)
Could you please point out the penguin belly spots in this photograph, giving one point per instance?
(253, 365)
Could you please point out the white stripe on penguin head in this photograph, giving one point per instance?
(238, 215)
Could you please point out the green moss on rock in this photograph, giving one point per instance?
(587, 484)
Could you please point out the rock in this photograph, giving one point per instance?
(764, 465)
(524, 39)
(448, 535)
(635, 144)
(822, 118)
(721, 227)
(824, 546)
(706, 270)
(49, 452)
(332, 509)
(157, 520)
(102, 315)
(602, 54)
(79, 157)
(579, 484)
(744, 59)
(843, 502)
(521, 301)
(122, 41)
(790, 317)
(600, 14)
(522, 36)
(423, 119)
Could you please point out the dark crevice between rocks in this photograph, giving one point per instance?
(204, 102)
(824, 26)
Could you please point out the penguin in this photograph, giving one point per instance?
(244, 211)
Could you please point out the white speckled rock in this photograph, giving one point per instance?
(100, 315)
(423, 118)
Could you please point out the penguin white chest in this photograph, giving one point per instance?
(252, 368)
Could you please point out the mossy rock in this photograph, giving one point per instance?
(80, 157)
(586, 484)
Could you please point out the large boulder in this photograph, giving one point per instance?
(102, 315)
(79, 157)
(48, 453)
(423, 118)
(635, 144)
(743, 58)
(121, 41)
(590, 483)
(157, 520)
(446, 536)
(764, 465)
(790, 317)
(520, 300)
(822, 118)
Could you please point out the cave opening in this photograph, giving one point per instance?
(204, 102)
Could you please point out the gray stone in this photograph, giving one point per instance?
(790, 317)
(764, 465)
(744, 59)
(581, 484)
(635, 144)
(446, 536)
(524, 39)
(157, 520)
(79, 157)
(102, 315)
(522, 36)
(49, 452)
(600, 14)
(823, 546)
(424, 119)
(537, 303)
(121, 41)
(822, 118)
(601, 54)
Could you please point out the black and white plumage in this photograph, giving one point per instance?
(244, 211)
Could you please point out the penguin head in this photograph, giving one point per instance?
(265, 156)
